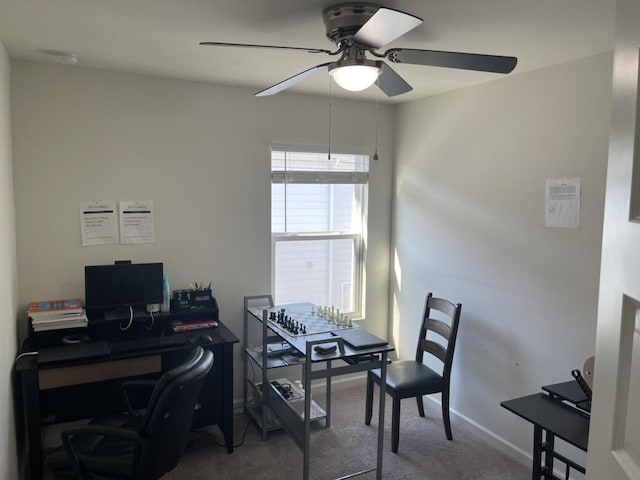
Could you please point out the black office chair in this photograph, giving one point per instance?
(145, 449)
(134, 418)
(412, 378)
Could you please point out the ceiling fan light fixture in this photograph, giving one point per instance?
(355, 77)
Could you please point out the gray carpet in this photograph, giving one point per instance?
(349, 446)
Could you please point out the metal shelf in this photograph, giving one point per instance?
(276, 361)
(270, 408)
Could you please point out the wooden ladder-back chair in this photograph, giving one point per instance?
(412, 378)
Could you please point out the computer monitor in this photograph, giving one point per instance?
(122, 285)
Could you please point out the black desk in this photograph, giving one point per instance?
(85, 387)
(561, 412)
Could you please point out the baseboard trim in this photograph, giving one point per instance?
(507, 448)
(504, 446)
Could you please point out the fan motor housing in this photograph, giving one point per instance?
(345, 19)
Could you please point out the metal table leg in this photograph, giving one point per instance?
(537, 453)
(383, 381)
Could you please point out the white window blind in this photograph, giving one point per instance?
(318, 211)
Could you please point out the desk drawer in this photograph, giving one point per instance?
(97, 372)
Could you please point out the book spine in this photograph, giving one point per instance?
(186, 327)
(69, 305)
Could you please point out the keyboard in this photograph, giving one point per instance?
(147, 343)
(74, 352)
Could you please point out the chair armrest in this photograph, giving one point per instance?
(131, 384)
(68, 435)
(103, 430)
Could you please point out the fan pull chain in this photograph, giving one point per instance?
(330, 97)
(375, 153)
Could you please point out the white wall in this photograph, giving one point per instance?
(199, 151)
(468, 213)
(469, 226)
(8, 280)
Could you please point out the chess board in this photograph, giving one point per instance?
(301, 313)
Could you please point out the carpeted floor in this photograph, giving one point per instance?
(349, 446)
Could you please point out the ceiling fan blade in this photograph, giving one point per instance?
(291, 81)
(465, 61)
(391, 83)
(385, 26)
(250, 45)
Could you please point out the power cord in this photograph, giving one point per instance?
(23, 354)
(221, 444)
(128, 325)
(153, 321)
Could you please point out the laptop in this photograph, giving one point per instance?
(359, 338)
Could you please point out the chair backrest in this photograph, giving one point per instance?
(165, 435)
(194, 356)
(447, 330)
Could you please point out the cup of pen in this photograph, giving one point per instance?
(201, 298)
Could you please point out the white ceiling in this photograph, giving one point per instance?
(160, 37)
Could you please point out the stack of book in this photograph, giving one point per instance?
(57, 314)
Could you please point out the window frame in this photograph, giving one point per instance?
(318, 178)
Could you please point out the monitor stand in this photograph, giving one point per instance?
(117, 314)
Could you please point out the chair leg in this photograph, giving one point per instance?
(395, 424)
(420, 405)
(445, 414)
(369, 404)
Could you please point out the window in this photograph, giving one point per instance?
(318, 211)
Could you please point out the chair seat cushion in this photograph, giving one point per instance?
(59, 464)
(410, 378)
(110, 456)
(121, 420)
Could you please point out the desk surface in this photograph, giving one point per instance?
(99, 350)
(562, 420)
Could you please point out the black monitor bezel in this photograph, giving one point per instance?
(124, 271)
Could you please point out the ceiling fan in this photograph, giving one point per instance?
(359, 29)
